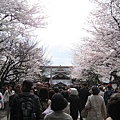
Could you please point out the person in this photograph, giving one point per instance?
(74, 103)
(17, 91)
(43, 96)
(39, 85)
(65, 95)
(113, 106)
(49, 110)
(101, 91)
(56, 89)
(83, 96)
(96, 106)
(1, 101)
(6, 96)
(108, 93)
(58, 103)
(16, 110)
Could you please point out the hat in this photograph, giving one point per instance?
(109, 86)
(95, 90)
(58, 102)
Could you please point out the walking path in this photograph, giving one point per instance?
(3, 115)
(5, 118)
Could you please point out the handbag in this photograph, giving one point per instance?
(84, 113)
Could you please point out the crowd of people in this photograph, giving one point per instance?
(46, 102)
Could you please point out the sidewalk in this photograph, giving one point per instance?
(3, 114)
(5, 118)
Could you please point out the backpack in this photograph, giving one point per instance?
(26, 107)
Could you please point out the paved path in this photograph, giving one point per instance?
(3, 114)
(5, 118)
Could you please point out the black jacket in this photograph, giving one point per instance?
(74, 105)
(15, 101)
(83, 96)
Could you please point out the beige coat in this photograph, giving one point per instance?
(96, 108)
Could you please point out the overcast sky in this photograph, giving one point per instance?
(65, 22)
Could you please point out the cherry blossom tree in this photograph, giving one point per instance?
(18, 52)
(101, 51)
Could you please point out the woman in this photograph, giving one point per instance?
(7, 94)
(96, 106)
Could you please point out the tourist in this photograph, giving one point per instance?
(58, 103)
(109, 91)
(26, 105)
(83, 96)
(6, 96)
(18, 90)
(114, 106)
(96, 106)
(39, 85)
(101, 91)
(74, 103)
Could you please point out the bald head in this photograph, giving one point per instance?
(38, 85)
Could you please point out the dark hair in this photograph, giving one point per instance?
(65, 94)
(58, 102)
(101, 88)
(43, 94)
(95, 90)
(56, 89)
(28, 84)
(51, 93)
(84, 84)
(9, 85)
(114, 106)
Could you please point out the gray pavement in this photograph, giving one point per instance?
(3, 114)
(5, 118)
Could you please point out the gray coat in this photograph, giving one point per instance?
(59, 115)
(96, 108)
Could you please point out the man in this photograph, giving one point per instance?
(108, 93)
(58, 104)
(17, 91)
(18, 103)
(38, 87)
(83, 95)
(113, 106)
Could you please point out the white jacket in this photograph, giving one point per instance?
(96, 108)
(7, 94)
